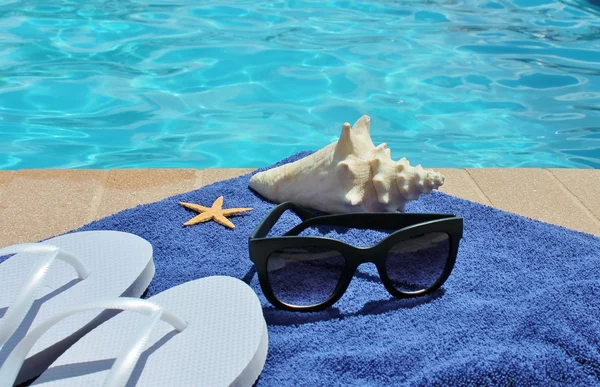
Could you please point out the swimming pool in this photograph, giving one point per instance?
(449, 83)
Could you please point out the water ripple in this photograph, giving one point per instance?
(451, 83)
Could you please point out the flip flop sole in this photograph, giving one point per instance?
(120, 264)
(224, 344)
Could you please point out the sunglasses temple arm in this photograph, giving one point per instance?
(267, 224)
(386, 221)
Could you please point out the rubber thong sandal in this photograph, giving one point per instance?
(43, 279)
(212, 333)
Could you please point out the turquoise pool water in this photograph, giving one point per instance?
(448, 83)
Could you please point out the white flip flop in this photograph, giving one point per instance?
(43, 279)
(212, 333)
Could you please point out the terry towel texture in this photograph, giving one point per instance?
(520, 308)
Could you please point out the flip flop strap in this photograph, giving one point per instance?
(126, 360)
(22, 302)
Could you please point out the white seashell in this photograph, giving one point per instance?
(349, 175)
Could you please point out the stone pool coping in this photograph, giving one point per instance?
(39, 203)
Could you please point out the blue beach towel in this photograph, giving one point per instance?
(520, 308)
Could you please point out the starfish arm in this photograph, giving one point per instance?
(224, 221)
(199, 219)
(195, 207)
(233, 211)
(218, 204)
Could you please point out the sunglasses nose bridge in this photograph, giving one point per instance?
(366, 256)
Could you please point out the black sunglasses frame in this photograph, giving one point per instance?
(408, 225)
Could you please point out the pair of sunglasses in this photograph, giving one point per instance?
(307, 273)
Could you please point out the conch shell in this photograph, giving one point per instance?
(349, 175)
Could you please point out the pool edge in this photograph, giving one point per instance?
(39, 203)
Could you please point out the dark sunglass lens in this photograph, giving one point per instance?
(417, 263)
(304, 276)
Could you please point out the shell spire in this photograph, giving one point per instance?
(349, 175)
(346, 144)
(362, 130)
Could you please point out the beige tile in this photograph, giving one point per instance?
(5, 178)
(459, 183)
(44, 203)
(128, 188)
(212, 175)
(535, 193)
(36, 204)
(584, 184)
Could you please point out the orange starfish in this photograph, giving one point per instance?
(215, 212)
